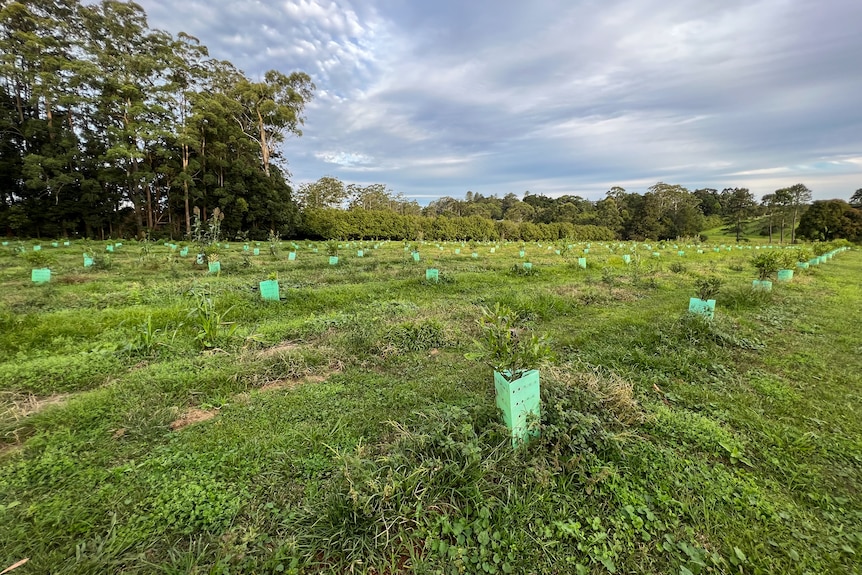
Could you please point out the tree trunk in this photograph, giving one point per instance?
(264, 149)
(793, 224)
(186, 187)
(188, 216)
(134, 197)
(150, 218)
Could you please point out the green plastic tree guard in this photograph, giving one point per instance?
(109, 248)
(40, 275)
(785, 275)
(582, 263)
(55, 245)
(814, 262)
(291, 256)
(493, 250)
(656, 254)
(475, 255)
(88, 261)
(256, 251)
(521, 253)
(762, 285)
(37, 248)
(360, 253)
(627, 258)
(519, 401)
(705, 308)
(215, 267)
(245, 248)
(432, 275)
(680, 253)
(415, 256)
(184, 252)
(528, 265)
(586, 250)
(333, 260)
(5, 244)
(269, 290)
(802, 265)
(457, 251)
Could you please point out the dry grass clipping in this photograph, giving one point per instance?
(16, 406)
(613, 392)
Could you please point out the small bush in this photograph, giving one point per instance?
(801, 254)
(38, 259)
(707, 288)
(767, 263)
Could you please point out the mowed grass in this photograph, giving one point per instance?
(342, 430)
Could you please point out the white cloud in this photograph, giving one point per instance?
(558, 96)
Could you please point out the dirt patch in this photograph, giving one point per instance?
(287, 384)
(192, 416)
(280, 384)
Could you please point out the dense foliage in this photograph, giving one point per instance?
(110, 128)
(831, 219)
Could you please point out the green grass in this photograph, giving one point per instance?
(752, 231)
(341, 429)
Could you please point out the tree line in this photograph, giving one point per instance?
(332, 209)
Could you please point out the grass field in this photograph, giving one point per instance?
(159, 419)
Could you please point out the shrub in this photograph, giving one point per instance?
(707, 288)
(767, 264)
(38, 259)
(507, 347)
(801, 254)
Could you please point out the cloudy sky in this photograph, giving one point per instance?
(557, 96)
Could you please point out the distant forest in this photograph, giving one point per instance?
(111, 129)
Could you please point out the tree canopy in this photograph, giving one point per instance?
(109, 127)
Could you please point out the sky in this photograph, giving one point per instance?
(556, 96)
